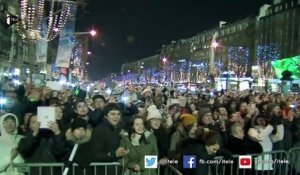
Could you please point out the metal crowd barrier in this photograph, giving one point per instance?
(267, 163)
(113, 168)
(170, 170)
(294, 158)
(58, 168)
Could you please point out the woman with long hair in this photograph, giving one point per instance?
(138, 142)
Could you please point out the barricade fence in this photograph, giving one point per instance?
(267, 163)
(113, 168)
(273, 163)
(170, 170)
(294, 158)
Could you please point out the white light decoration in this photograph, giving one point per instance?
(42, 19)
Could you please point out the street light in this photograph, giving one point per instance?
(164, 60)
(164, 67)
(214, 45)
(92, 33)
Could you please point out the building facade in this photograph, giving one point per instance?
(16, 56)
(236, 47)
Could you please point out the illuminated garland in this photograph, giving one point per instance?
(40, 20)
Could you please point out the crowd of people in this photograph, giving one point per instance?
(142, 121)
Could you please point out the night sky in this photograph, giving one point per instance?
(129, 30)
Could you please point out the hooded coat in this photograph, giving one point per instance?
(83, 155)
(7, 143)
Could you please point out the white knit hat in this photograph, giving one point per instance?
(153, 112)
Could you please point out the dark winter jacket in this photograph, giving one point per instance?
(243, 147)
(163, 142)
(83, 155)
(197, 148)
(288, 134)
(104, 143)
(127, 112)
(96, 117)
(43, 148)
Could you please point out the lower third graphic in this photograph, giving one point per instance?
(189, 161)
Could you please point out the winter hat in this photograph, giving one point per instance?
(203, 111)
(187, 120)
(153, 112)
(78, 123)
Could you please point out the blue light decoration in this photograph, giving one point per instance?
(199, 71)
(149, 74)
(265, 55)
(238, 58)
(181, 68)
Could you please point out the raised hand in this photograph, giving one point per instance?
(53, 126)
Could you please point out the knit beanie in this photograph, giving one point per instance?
(153, 112)
(187, 120)
(78, 123)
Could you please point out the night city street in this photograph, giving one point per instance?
(149, 87)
